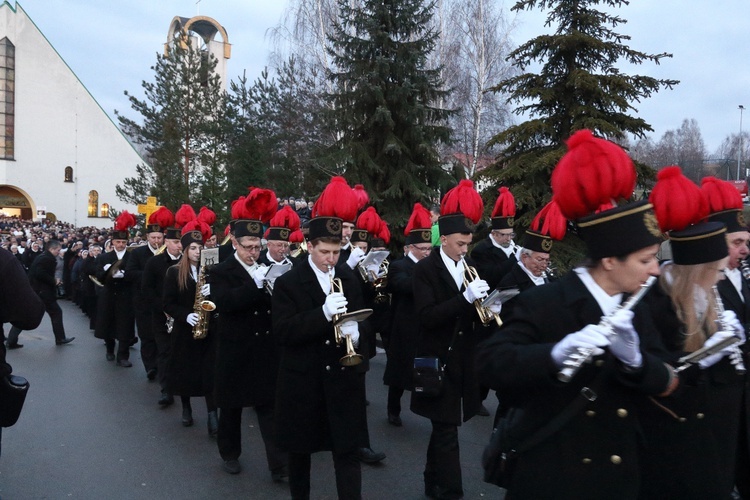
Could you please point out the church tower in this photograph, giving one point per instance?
(201, 33)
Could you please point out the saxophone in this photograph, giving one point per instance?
(201, 306)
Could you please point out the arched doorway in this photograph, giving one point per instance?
(15, 203)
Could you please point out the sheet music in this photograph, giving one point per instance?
(501, 296)
(277, 270)
(374, 258)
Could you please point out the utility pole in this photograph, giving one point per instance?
(739, 154)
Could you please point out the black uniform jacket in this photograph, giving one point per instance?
(691, 435)
(492, 263)
(442, 311)
(42, 276)
(402, 340)
(516, 278)
(117, 285)
(320, 404)
(152, 288)
(247, 357)
(595, 455)
(134, 268)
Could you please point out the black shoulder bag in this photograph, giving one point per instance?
(13, 391)
(429, 372)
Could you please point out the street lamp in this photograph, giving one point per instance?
(739, 155)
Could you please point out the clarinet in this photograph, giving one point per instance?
(745, 269)
(575, 361)
(735, 357)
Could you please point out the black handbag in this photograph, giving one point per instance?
(13, 391)
(428, 374)
(500, 454)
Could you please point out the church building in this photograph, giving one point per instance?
(61, 155)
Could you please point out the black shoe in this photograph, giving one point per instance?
(124, 363)
(151, 374)
(394, 419)
(231, 466)
(187, 417)
(110, 356)
(66, 340)
(166, 399)
(14, 346)
(279, 474)
(368, 456)
(213, 424)
(483, 411)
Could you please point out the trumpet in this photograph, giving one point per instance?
(351, 358)
(485, 315)
(583, 355)
(301, 249)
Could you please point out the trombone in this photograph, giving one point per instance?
(485, 315)
(351, 358)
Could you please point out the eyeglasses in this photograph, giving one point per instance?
(250, 248)
(504, 235)
(423, 248)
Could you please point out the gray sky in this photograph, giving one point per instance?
(111, 46)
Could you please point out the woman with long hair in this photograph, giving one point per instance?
(190, 368)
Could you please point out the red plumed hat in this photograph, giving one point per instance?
(724, 204)
(207, 215)
(337, 200)
(184, 215)
(461, 209)
(261, 205)
(238, 210)
(592, 173)
(285, 222)
(198, 225)
(419, 219)
(550, 221)
(678, 202)
(383, 234)
(370, 221)
(362, 197)
(124, 221)
(296, 237)
(504, 212)
(162, 217)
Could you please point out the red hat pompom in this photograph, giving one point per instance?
(261, 205)
(238, 210)
(720, 195)
(505, 205)
(593, 172)
(420, 219)
(296, 237)
(337, 200)
(362, 197)
(124, 221)
(384, 233)
(198, 225)
(184, 215)
(163, 217)
(286, 217)
(370, 221)
(550, 221)
(678, 201)
(207, 215)
(463, 199)
(227, 229)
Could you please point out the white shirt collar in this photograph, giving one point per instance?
(508, 251)
(537, 280)
(607, 303)
(411, 256)
(455, 268)
(272, 260)
(735, 277)
(324, 279)
(153, 250)
(120, 254)
(247, 268)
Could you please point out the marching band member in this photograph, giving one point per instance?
(190, 367)
(320, 404)
(594, 413)
(282, 225)
(495, 256)
(247, 356)
(446, 313)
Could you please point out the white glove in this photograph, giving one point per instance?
(591, 336)
(354, 257)
(119, 274)
(192, 319)
(351, 329)
(495, 307)
(106, 267)
(206, 290)
(626, 344)
(259, 275)
(477, 289)
(729, 318)
(335, 304)
(715, 358)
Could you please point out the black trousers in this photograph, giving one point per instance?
(348, 475)
(146, 334)
(443, 468)
(394, 399)
(115, 321)
(742, 470)
(230, 435)
(163, 347)
(55, 315)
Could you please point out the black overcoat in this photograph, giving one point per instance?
(595, 455)
(115, 304)
(152, 288)
(320, 404)
(492, 263)
(190, 369)
(516, 278)
(402, 339)
(691, 435)
(441, 310)
(42, 276)
(247, 356)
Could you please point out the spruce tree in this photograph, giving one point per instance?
(578, 86)
(383, 105)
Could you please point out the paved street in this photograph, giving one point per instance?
(93, 430)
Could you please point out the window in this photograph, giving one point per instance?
(105, 210)
(93, 203)
(68, 174)
(7, 99)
